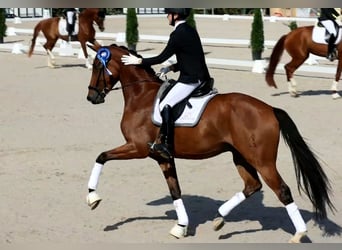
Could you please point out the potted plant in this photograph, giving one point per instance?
(132, 33)
(3, 26)
(257, 35)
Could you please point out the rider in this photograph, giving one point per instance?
(70, 16)
(185, 43)
(328, 18)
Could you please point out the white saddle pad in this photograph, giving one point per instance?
(191, 115)
(318, 35)
(62, 27)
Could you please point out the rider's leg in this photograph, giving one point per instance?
(330, 27)
(178, 93)
(165, 147)
(70, 17)
(331, 48)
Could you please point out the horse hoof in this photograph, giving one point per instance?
(93, 200)
(179, 231)
(218, 223)
(336, 96)
(297, 237)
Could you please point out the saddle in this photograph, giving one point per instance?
(62, 24)
(187, 112)
(321, 35)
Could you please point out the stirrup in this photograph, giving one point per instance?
(162, 150)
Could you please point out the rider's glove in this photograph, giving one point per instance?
(164, 71)
(130, 60)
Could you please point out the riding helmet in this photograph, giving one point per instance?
(182, 12)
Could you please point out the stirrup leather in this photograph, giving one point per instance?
(161, 149)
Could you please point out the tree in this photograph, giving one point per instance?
(292, 25)
(191, 19)
(257, 35)
(132, 33)
(3, 26)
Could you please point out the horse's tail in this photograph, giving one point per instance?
(36, 31)
(274, 60)
(309, 172)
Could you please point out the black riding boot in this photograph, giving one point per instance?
(332, 54)
(165, 147)
(69, 29)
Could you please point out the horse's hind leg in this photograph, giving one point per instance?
(290, 68)
(273, 179)
(48, 47)
(169, 170)
(252, 185)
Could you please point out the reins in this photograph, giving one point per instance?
(131, 84)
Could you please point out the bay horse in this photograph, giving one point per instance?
(235, 122)
(86, 32)
(299, 44)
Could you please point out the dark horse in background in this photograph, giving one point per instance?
(298, 44)
(235, 122)
(86, 32)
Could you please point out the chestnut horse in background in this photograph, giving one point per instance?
(86, 32)
(299, 44)
(235, 122)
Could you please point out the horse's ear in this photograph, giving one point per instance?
(94, 47)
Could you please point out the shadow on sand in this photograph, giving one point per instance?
(203, 209)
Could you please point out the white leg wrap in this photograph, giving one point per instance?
(334, 86)
(296, 217)
(226, 207)
(293, 82)
(94, 177)
(88, 62)
(181, 213)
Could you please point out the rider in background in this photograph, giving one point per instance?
(185, 43)
(70, 16)
(328, 18)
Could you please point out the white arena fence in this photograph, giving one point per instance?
(64, 49)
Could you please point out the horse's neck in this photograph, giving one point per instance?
(139, 89)
(86, 21)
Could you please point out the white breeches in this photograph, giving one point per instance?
(329, 25)
(70, 16)
(178, 93)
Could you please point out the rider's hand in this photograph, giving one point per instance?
(164, 71)
(130, 60)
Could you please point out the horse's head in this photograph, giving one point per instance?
(105, 74)
(108, 70)
(95, 14)
(99, 18)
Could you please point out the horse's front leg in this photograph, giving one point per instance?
(169, 170)
(124, 152)
(88, 59)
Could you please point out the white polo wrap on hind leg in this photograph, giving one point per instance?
(296, 217)
(181, 213)
(94, 177)
(228, 206)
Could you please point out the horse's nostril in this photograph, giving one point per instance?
(88, 98)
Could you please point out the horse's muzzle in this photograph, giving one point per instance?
(101, 29)
(96, 99)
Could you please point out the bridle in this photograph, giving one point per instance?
(103, 55)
